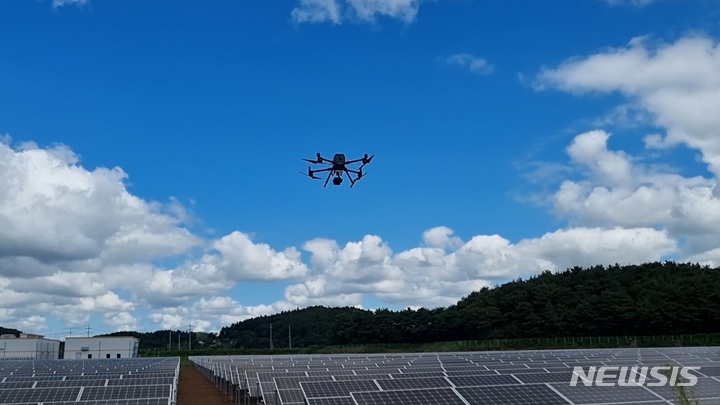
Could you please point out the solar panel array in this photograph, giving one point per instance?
(138, 381)
(462, 378)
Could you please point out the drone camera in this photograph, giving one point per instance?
(337, 181)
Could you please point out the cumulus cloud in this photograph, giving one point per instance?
(618, 191)
(207, 314)
(677, 84)
(72, 238)
(53, 210)
(241, 259)
(449, 268)
(338, 11)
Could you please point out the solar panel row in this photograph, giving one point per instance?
(148, 381)
(521, 377)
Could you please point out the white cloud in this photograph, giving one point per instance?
(108, 301)
(317, 11)
(430, 276)
(678, 84)
(60, 3)
(623, 193)
(441, 237)
(367, 10)
(241, 259)
(586, 247)
(338, 11)
(168, 319)
(473, 63)
(71, 238)
(54, 210)
(209, 314)
(122, 321)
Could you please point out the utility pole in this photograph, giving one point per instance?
(170, 339)
(189, 335)
(271, 344)
(289, 336)
(88, 330)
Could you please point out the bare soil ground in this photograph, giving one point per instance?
(196, 389)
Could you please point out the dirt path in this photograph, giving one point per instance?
(196, 389)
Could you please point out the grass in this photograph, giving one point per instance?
(683, 394)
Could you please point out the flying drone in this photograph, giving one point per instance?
(337, 168)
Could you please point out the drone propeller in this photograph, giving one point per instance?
(318, 160)
(310, 174)
(365, 160)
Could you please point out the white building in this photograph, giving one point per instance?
(28, 346)
(105, 347)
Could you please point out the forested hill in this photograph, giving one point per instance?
(649, 299)
(7, 331)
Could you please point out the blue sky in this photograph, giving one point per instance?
(149, 152)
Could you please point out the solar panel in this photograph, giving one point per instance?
(430, 396)
(472, 372)
(414, 383)
(536, 394)
(142, 381)
(36, 395)
(331, 401)
(16, 384)
(125, 392)
(530, 378)
(480, 380)
(419, 374)
(581, 394)
(521, 377)
(336, 388)
(60, 382)
(283, 383)
(147, 401)
(361, 377)
(291, 396)
(711, 371)
(57, 382)
(705, 389)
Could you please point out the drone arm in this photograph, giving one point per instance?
(365, 159)
(327, 179)
(357, 172)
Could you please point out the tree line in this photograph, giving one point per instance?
(650, 299)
